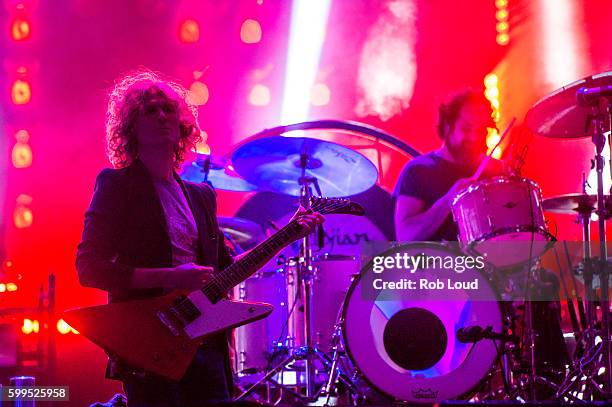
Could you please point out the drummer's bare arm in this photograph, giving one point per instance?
(415, 223)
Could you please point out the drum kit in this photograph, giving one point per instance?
(327, 344)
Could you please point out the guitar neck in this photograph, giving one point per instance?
(242, 269)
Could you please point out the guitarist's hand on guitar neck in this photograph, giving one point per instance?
(186, 276)
(308, 220)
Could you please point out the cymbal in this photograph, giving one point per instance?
(558, 115)
(572, 204)
(220, 175)
(274, 163)
(243, 231)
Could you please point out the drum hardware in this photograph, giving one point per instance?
(575, 111)
(302, 161)
(216, 171)
(576, 324)
(336, 375)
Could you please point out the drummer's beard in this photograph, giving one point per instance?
(465, 152)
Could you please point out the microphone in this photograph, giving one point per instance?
(590, 96)
(476, 333)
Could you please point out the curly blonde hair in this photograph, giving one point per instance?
(125, 103)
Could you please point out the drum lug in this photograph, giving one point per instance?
(490, 220)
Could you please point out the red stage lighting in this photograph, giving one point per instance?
(189, 31)
(198, 93)
(63, 328)
(21, 93)
(21, 155)
(20, 29)
(260, 95)
(250, 31)
(30, 326)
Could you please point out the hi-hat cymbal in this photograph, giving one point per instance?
(572, 204)
(244, 232)
(216, 172)
(275, 164)
(559, 115)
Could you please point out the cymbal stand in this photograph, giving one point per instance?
(597, 355)
(601, 124)
(305, 276)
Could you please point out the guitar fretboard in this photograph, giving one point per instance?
(240, 270)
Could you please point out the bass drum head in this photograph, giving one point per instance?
(408, 349)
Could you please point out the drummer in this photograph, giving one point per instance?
(429, 183)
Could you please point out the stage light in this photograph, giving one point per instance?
(250, 31)
(22, 136)
(306, 36)
(502, 27)
(198, 93)
(501, 3)
(259, 95)
(203, 148)
(21, 93)
(492, 93)
(502, 39)
(63, 328)
(21, 155)
(320, 95)
(493, 138)
(11, 287)
(20, 29)
(189, 31)
(8, 264)
(22, 216)
(560, 42)
(2, 287)
(491, 80)
(29, 325)
(502, 14)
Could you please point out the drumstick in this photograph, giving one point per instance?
(485, 161)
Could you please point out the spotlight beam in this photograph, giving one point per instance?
(306, 37)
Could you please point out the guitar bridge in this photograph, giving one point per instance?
(163, 317)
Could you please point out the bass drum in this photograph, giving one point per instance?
(408, 349)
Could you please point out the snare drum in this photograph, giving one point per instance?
(408, 349)
(501, 218)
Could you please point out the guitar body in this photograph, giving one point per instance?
(161, 335)
(134, 332)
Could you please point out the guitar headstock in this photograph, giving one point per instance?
(336, 206)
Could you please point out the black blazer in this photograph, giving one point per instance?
(125, 228)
